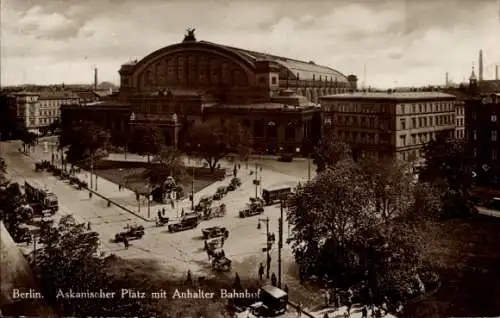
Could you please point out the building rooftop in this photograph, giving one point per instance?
(263, 106)
(57, 95)
(304, 70)
(391, 96)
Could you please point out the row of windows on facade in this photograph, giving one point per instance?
(417, 139)
(411, 154)
(350, 107)
(427, 121)
(460, 111)
(41, 122)
(354, 121)
(51, 113)
(460, 122)
(429, 107)
(493, 134)
(358, 137)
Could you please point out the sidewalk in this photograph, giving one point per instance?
(127, 198)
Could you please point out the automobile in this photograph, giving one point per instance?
(189, 221)
(133, 232)
(285, 158)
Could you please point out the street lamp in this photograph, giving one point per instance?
(269, 242)
(257, 181)
(149, 201)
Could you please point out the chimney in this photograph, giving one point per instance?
(496, 72)
(480, 65)
(95, 78)
(446, 80)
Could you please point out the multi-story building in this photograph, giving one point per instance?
(274, 97)
(389, 123)
(36, 111)
(460, 119)
(482, 118)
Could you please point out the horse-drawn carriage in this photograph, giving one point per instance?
(213, 212)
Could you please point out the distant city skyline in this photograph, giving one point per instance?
(395, 43)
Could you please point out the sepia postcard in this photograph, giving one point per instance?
(249, 158)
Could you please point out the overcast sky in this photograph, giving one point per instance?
(412, 42)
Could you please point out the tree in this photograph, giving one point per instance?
(389, 185)
(147, 140)
(29, 139)
(326, 214)
(83, 142)
(449, 166)
(168, 163)
(353, 223)
(330, 150)
(213, 140)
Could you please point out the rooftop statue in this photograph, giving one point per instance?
(189, 36)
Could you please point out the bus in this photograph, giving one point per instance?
(274, 194)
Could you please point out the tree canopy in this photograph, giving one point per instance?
(449, 166)
(147, 140)
(212, 140)
(329, 150)
(28, 138)
(83, 141)
(357, 221)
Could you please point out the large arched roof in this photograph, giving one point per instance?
(305, 70)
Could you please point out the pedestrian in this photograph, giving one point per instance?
(261, 271)
(206, 246)
(125, 242)
(163, 211)
(119, 187)
(364, 312)
(349, 305)
(89, 228)
(274, 280)
(182, 212)
(285, 289)
(222, 253)
(325, 315)
(239, 166)
(299, 309)
(222, 241)
(327, 298)
(109, 203)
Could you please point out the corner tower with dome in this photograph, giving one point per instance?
(275, 97)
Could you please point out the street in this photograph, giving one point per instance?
(180, 251)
